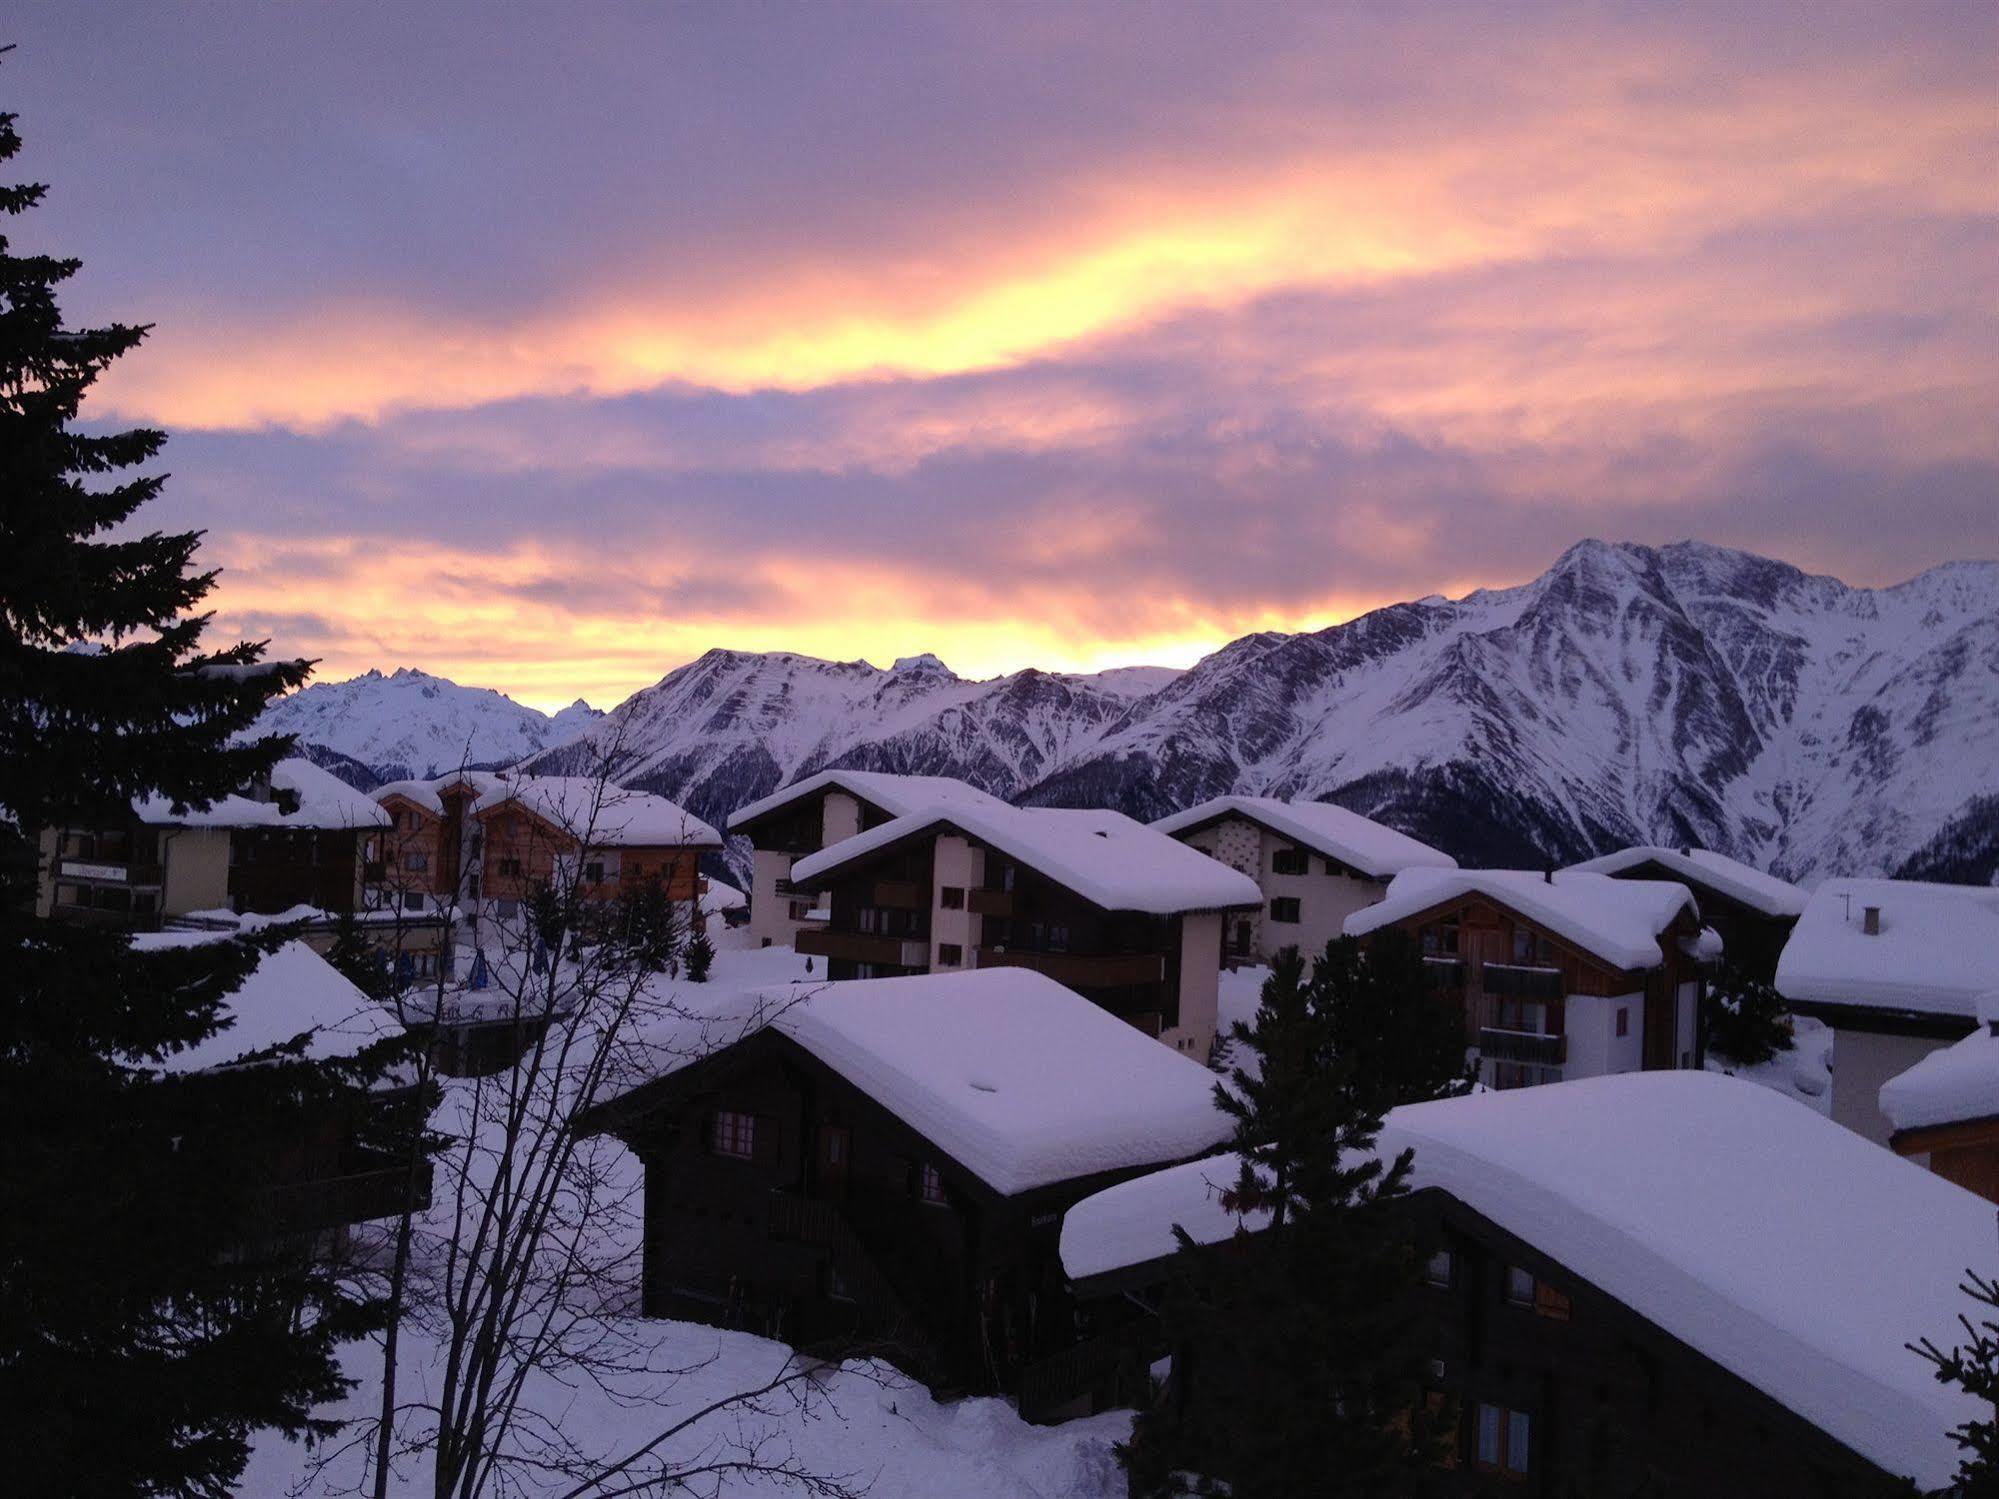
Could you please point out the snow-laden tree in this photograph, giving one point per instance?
(146, 1326)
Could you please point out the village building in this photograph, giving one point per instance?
(891, 1159)
(427, 859)
(1669, 1283)
(799, 820)
(1558, 975)
(1896, 968)
(1945, 1109)
(1316, 864)
(1751, 911)
(323, 1180)
(536, 831)
(290, 841)
(1124, 915)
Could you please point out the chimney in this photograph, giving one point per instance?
(1548, 874)
(1870, 920)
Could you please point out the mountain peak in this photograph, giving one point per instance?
(921, 663)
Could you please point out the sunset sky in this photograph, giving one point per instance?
(547, 346)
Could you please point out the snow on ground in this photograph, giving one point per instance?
(1803, 1073)
(863, 1421)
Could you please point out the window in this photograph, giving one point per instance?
(412, 900)
(1623, 1020)
(1058, 938)
(510, 867)
(950, 955)
(1504, 1438)
(1438, 1272)
(1284, 908)
(952, 897)
(1519, 1286)
(593, 872)
(1441, 940)
(930, 1185)
(1290, 861)
(871, 919)
(734, 1135)
(1529, 946)
(1522, 1289)
(416, 863)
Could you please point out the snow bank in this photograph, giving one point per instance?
(899, 796)
(1950, 1086)
(1332, 831)
(1105, 857)
(1936, 951)
(1787, 1249)
(603, 815)
(292, 992)
(323, 801)
(1618, 921)
(1703, 867)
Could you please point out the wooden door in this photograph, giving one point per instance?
(1661, 1030)
(835, 1144)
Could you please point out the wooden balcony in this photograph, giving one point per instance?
(1080, 970)
(1497, 1045)
(989, 902)
(864, 947)
(1444, 973)
(901, 895)
(111, 872)
(1522, 981)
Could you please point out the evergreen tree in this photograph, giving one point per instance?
(647, 927)
(1400, 1043)
(140, 1341)
(700, 954)
(1743, 1018)
(1307, 1353)
(1973, 1366)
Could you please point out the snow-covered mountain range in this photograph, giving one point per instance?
(375, 728)
(1680, 694)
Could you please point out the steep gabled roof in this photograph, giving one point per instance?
(1105, 857)
(1617, 921)
(1936, 952)
(1787, 1249)
(897, 795)
(600, 814)
(1703, 868)
(1331, 831)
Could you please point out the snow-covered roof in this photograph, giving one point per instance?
(1616, 920)
(1936, 952)
(429, 793)
(899, 796)
(292, 991)
(1016, 1078)
(1954, 1084)
(1786, 1248)
(603, 815)
(323, 801)
(1332, 831)
(1703, 867)
(1103, 856)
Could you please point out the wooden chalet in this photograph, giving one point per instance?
(1118, 912)
(889, 1162)
(1752, 912)
(1600, 1326)
(540, 830)
(1558, 976)
(1945, 1109)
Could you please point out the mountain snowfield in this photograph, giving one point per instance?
(409, 723)
(1678, 694)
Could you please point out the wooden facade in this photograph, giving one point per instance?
(1752, 940)
(1965, 1152)
(1558, 1388)
(1514, 981)
(781, 1199)
(520, 851)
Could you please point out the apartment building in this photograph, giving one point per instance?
(1558, 975)
(1117, 911)
(797, 821)
(293, 839)
(1753, 912)
(1896, 968)
(1316, 864)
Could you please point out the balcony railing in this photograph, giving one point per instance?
(1444, 973)
(900, 895)
(1521, 980)
(1522, 1046)
(786, 890)
(989, 902)
(865, 947)
(1080, 970)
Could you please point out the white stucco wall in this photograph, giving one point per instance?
(1861, 1062)
(840, 817)
(196, 875)
(1324, 900)
(1200, 985)
(770, 913)
(958, 864)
